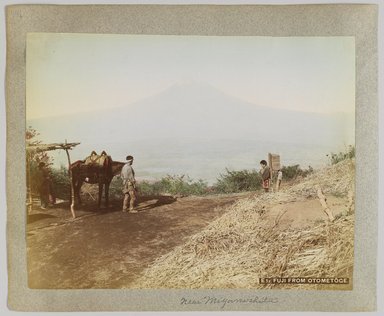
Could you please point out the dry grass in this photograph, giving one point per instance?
(336, 179)
(246, 243)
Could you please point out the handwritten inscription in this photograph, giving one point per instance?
(222, 302)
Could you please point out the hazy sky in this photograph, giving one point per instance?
(67, 73)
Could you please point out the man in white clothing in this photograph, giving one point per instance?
(129, 186)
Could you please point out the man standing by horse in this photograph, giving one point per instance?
(129, 186)
(45, 186)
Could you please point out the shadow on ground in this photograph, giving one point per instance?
(36, 217)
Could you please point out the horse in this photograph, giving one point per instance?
(101, 174)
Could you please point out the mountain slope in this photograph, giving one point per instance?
(196, 111)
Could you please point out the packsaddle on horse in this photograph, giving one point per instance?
(95, 169)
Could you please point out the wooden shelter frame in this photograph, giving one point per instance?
(32, 149)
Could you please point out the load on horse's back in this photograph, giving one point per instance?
(97, 160)
(95, 169)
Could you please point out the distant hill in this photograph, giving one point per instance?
(197, 111)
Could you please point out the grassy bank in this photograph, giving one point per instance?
(246, 243)
(230, 181)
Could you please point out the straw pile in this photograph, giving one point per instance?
(336, 179)
(246, 244)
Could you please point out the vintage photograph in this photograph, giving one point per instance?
(190, 162)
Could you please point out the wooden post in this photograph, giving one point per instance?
(278, 182)
(70, 179)
(323, 202)
(274, 165)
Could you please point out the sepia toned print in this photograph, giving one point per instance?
(190, 162)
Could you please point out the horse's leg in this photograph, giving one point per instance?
(107, 194)
(100, 194)
(75, 189)
(77, 192)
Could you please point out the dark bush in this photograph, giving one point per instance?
(238, 181)
(61, 183)
(292, 172)
(116, 188)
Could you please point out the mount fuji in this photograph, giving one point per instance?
(197, 111)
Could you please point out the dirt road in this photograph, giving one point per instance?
(110, 249)
(103, 249)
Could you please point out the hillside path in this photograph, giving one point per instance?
(101, 249)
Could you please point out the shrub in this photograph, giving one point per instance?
(33, 160)
(115, 188)
(349, 153)
(238, 181)
(292, 172)
(61, 183)
(174, 185)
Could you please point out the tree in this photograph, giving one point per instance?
(36, 157)
(32, 162)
